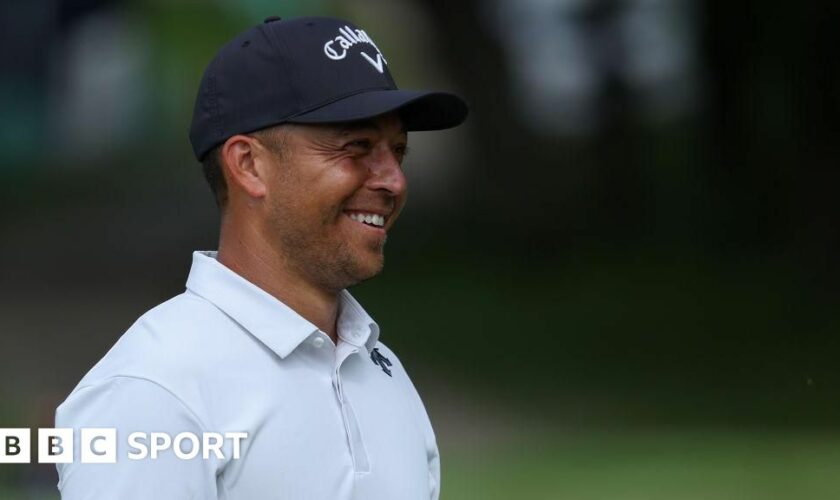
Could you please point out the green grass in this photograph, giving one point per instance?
(650, 466)
(633, 465)
(12, 493)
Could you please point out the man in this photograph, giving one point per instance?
(301, 131)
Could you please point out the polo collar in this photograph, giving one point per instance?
(354, 325)
(272, 322)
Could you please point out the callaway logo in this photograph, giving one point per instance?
(347, 38)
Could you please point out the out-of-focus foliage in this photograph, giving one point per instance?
(637, 227)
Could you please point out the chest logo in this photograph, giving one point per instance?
(380, 360)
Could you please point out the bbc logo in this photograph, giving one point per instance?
(99, 445)
(55, 446)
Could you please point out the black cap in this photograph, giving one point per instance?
(306, 70)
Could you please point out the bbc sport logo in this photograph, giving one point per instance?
(99, 445)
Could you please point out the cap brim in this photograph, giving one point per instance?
(419, 110)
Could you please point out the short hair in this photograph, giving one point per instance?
(274, 138)
(211, 165)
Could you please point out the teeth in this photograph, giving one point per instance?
(372, 219)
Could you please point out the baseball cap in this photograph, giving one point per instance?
(306, 70)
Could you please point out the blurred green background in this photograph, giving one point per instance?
(619, 280)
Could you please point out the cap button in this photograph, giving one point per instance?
(271, 19)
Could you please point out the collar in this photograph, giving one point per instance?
(272, 322)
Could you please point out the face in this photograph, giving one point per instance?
(334, 193)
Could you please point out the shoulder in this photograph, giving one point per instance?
(177, 332)
(394, 365)
(413, 397)
(127, 405)
(171, 351)
(391, 356)
(113, 401)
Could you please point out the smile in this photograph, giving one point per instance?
(374, 220)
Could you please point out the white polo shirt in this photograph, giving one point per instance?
(322, 421)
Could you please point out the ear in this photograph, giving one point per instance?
(243, 164)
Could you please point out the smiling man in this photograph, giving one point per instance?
(301, 132)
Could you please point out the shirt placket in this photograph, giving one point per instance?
(356, 445)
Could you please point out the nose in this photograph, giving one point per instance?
(386, 172)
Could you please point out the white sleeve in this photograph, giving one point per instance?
(432, 452)
(133, 405)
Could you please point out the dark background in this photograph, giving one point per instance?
(634, 236)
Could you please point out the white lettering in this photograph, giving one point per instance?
(99, 445)
(347, 38)
(215, 447)
(137, 441)
(194, 449)
(236, 438)
(331, 53)
(160, 442)
(347, 32)
(376, 64)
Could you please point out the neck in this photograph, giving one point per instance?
(247, 254)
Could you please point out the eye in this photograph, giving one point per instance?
(401, 151)
(359, 145)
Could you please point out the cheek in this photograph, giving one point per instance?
(316, 190)
(290, 204)
(340, 183)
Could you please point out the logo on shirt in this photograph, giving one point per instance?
(347, 38)
(380, 360)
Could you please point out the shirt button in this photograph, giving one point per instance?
(318, 341)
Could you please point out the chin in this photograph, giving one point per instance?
(351, 266)
(370, 269)
(364, 269)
